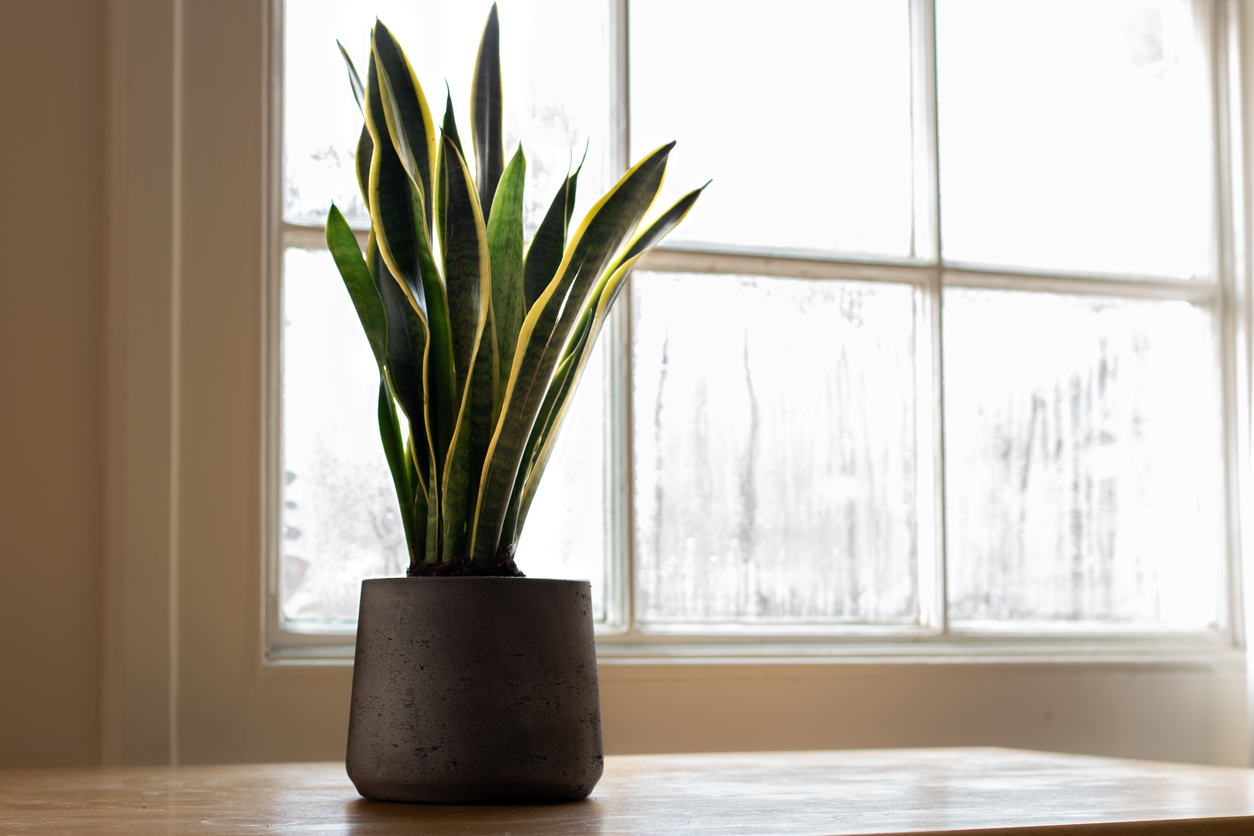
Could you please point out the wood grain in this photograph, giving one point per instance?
(989, 792)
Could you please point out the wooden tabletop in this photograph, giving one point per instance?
(889, 791)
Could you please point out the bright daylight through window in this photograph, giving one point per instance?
(942, 350)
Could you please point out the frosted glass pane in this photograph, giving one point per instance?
(1083, 454)
(566, 532)
(1076, 135)
(340, 518)
(799, 110)
(552, 110)
(340, 522)
(775, 452)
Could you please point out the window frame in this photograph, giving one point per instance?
(929, 274)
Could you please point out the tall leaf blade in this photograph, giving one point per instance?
(406, 347)
(468, 273)
(556, 407)
(394, 451)
(396, 210)
(449, 129)
(505, 246)
(544, 331)
(354, 80)
(549, 244)
(365, 153)
(408, 118)
(357, 279)
(391, 200)
(467, 270)
(485, 112)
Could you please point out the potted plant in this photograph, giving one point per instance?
(472, 683)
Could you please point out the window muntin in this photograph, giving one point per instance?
(624, 549)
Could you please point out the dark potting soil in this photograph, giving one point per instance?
(461, 567)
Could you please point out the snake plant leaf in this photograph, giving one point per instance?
(396, 211)
(352, 266)
(512, 527)
(555, 409)
(391, 200)
(467, 265)
(365, 153)
(365, 146)
(406, 347)
(418, 512)
(394, 449)
(467, 272)
(544, 331)
(549, 243)
(407, 114)
(359, 89)
(485, 112)
(505, 246)
(433, 546)
(448, 129)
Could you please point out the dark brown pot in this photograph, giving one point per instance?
(475, 690)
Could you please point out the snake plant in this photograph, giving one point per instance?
(480, 340)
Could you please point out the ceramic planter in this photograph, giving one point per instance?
(475, 690)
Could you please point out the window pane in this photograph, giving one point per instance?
(1083, 454)
(566, 533)
(775, 453)
(1076, 135)
(799, 110)
(340, 521)
(552, 110)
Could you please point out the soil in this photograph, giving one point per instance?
(461, 567)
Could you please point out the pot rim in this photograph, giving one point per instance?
(474, 578)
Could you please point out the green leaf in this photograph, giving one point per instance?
(467, 267)
(406, 345)
(545, 253)
(485, 112)
(505, 245)
(553, 412)
(544, 331)
(391, 200)
(408, 117)
(468, 274)
(512, 527)
(396, 211)
(394, 449)
(359, 89)
(360, 284)
(365, 153)
(449, 129)
(418, 512)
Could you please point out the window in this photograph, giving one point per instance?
(946, 352)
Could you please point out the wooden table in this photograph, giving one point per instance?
(903, 791)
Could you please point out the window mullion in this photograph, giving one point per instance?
(620, 607)
(926, 246)
(1226, 64)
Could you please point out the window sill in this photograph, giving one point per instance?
(969, 647)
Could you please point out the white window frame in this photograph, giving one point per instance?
(621, 639)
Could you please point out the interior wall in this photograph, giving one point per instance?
(52, 232)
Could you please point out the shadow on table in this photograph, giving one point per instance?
(370, 817)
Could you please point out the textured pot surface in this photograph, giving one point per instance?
(475, 690)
